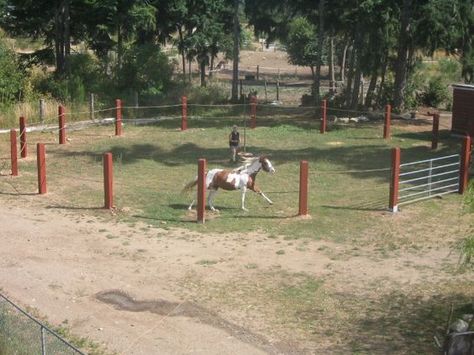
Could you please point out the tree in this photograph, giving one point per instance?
(236, 30)
(301, 43)
(11, 75)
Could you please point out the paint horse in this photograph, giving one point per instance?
(242, 178)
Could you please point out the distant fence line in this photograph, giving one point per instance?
(21, 333)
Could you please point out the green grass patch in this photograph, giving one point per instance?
(153, 163)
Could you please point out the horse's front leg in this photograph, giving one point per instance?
(266, 198)
(260, 192)
(244, 190)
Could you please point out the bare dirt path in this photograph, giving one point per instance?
(138, 289)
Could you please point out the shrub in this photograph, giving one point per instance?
(12, 77)
(213, 93)
(86, 76)
(146, 70)
(436, 93)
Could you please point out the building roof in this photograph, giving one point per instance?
(463, 87)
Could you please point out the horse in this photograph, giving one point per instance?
(241, 178)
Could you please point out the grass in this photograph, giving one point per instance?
(153, 163)
(20, 335)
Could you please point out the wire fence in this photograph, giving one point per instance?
(21, 333)
(206, 115)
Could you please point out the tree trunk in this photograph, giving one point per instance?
(332, 77)
(357, 80)
(313, 74)
(350, 76)
(371, 89)
(119, 46)
(382, 79)
(202, 65)
(58, 41)
(183, 54)
(401, 66)
(235, 59)
(343, 64)
(67, 34)
(211, 67)
(319, 61)
(190, 71)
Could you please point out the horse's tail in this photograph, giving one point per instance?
(190, 185)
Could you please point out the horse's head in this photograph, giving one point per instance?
(266, 164)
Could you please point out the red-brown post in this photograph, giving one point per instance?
(201, 191)
(23, 146)
(435, 135)
(118, 117)
(324, 111)
(394, 180)
(62, 125)
(41, 164)
(303, 201)
(464, 168)
(184, 113)
(108, 181)
(387, 122)
(253, 111)
(13, 152)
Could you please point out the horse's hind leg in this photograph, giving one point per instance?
(210, 199)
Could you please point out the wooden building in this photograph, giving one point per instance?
(463, 109)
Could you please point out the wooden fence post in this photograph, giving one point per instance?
(323, 126)
(108, 181)
(23, 145)
(258, 72)
(91, 106)
(41, 165)
(303, 197)
(253, 111)
(278, 90)
(62, 125)
(435, 134)
(184, 113)
(394, 180)
(388, 122)
(13, 152)
(201, 191)
(118, 117)
(41, 110)
(266, 91)
(464, 168)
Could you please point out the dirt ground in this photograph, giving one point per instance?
(138, 289)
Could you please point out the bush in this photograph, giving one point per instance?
(85, 77)
(213, 93)
(145, 70)
(12, 77)
(436, 93)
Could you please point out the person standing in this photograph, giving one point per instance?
(234, 142)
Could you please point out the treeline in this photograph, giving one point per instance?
(381, 40)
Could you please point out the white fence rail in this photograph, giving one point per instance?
(425, 179)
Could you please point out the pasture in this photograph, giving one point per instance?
(351, 277)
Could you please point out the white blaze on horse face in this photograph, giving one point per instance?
(271, 169)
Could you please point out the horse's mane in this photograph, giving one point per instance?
(247, 162)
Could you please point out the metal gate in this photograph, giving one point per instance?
(425, 179)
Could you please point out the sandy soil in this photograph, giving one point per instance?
(138, 289)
